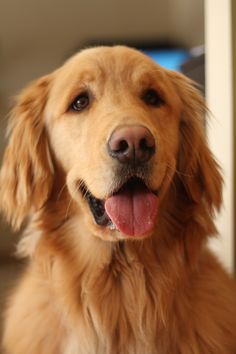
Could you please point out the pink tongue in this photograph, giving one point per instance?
(133, 212)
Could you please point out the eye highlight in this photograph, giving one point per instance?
(81, 102)
(152, 98)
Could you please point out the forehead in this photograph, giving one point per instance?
(108, 72)
(113, 64)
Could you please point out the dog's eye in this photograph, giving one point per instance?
(80, 102)
(152, 98)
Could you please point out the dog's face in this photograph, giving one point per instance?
(121, 128)
(112, 119)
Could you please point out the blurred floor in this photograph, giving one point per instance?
(10, 270)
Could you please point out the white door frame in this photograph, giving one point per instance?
(219, 93)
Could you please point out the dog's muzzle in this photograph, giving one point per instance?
(132, 206)
(131, 209)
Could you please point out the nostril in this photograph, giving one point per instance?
(143, 144)
(145, 149)
(147, 143)
(122, 146)
(118, 146)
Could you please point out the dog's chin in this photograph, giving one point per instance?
(129, 212)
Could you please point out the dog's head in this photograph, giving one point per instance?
(127, 135)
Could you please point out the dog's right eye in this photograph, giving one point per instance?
(80, 102)
(152, 98)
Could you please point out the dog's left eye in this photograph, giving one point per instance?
(152, 98)
(80, 102)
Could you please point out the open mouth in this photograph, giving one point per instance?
(131, 210)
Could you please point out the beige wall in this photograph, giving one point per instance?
(36, 36)
(186, 21)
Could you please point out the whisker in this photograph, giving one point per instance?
(180, 173)
(68, 208)
(61, 191)
(172, 183)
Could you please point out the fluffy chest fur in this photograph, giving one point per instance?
(118, 302)
(115, 306)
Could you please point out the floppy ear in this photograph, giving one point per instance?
(26, 173)
(198, 170)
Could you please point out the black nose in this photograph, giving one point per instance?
(132, 143)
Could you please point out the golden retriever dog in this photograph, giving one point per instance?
(108, 167)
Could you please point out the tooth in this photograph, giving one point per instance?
(112, 226)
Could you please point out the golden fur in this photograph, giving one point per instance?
(89, 289)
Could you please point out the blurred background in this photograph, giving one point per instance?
(196, 37)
